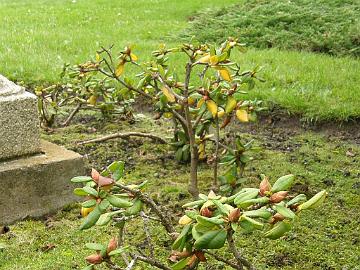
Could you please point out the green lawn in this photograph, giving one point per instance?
(38, 37)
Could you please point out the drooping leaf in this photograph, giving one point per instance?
(120, 69)
(230, 104)
(278, 230)
(118, 202)
(211, 240)
(314, 202)
(91, 219)
(212, 107)
(169, 96)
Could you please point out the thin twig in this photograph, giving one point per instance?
(124, 136)
(221, 259)
(151, 262)
(131, 264)
(147, 233)
(241, 261)
(165, 221)
(71, 116)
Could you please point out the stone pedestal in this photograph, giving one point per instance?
(19, 129)
(34, 175)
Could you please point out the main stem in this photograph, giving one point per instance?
(217, 138)
(193, 184)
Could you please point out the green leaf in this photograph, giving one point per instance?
(247, 203)
(89, 203)
(81, 179)
(298, 199)
(89, 267)
(180, 240)
(2, 246)
(135, 208)
(314, 202)
(247, 195)
(116, 252)
(80, 192)
(180, 264)
(225, 211)
(278, 230)
(90, 191)
(103, 205)
(118, 202)
(95, 246)
(283, 183)
(286, 212)
(211, 240)
(249, 224)
(91, 219)
(104, 219)
(259, 213)
(194, 204)
(209, 221)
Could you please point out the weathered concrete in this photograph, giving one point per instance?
(37, 185)
(19, 123)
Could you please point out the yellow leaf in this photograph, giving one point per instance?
(97, 57)
(191, 100)
(242, 115)
(201, 151)
(133, 57)
(212, 107)
(170, 96)
(92, 100)
(184, 220)
(214, 60)
(205, 59)
(120, 69)
(225, 74)
(230, 104)
(220, 114)
(200, 103)
(168, 115)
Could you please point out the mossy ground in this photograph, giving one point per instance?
(326, 238)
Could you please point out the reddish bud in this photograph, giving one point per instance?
(105, 181)
(278, 196)
(94, 259)
(112, 245)
(95, 175)
(277, 217)
(265, 186)
(200, 255)
(206, 212)
(234, 215)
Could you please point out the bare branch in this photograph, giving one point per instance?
(124, 136)
(71, 116)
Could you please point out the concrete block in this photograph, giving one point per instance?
(37, 185)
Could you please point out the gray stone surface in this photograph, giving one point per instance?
(19, 123)
(38, 185)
